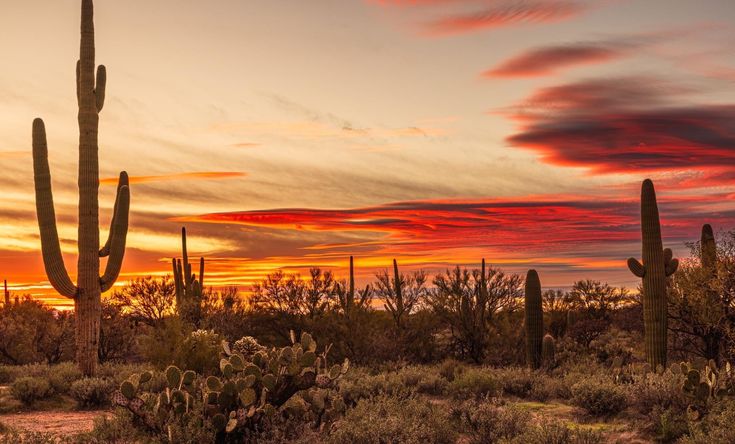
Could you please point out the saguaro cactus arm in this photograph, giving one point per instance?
(636, 267)
(100, 86)
(671, 264)
(118, 236)
(50, 246)
(123, 181)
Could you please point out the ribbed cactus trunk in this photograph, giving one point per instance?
(87, 292)
(534, 320)
(657, 265)
(708, 259)
(6, 292)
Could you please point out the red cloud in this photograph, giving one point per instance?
(544, 61)
(505, 15)
(625, 125)
(530, 224)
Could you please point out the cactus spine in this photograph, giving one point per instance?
(657, 265)
(534, 320)
(86, 293)
(188, 288)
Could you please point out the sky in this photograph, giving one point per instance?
(288, 134)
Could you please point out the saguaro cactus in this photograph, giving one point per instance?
(86, 293)
(657, 265)
(534, 320)
(6, 293)
(708, 249)
(351, 300)
(188, 288)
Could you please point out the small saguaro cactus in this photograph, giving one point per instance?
(548, 351)
(188, 288)
(350, 299)
(534, 320)
(708, 249)
(658, 264)
(90, 285)
(6, 293)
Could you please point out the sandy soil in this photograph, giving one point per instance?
(64, 423)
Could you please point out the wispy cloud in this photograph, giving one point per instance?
(503, 15)
(550, 59)
(202, 175)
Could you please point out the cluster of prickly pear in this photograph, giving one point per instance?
(155, 407)
(704, 383)
(248, 390)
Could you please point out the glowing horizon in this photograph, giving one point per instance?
(435, 132)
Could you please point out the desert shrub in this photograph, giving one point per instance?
(29, 389)
(657, 392)
(118, 428)
(91, 392)
(432, 384)
(546, 387)
(615, 345)
(6, 374)
(62, 376)
(599, 397)
(516, 381)
(384, 419)
(26, 437)
(119, 372)
(474, 383)
(715, 428)
(200, 352)
(449, 368)
(360, 385)
(488, 422)
(669, 424)
(556, 432)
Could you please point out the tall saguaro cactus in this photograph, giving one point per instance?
(534, 320)
(86, 293)
(6, 293)
(188, 288)
(658, 264)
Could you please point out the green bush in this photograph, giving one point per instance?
(62, 376)
(389, 420)
(474, 383)
(29, 389)
(91, 392)
(599, 397)
(489, 422)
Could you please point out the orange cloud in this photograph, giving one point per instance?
(204, 175)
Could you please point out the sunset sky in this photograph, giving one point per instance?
(293, 133)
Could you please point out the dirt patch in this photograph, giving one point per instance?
(63, 423)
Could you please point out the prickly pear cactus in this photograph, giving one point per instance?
(704, 383)
(245, 392)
